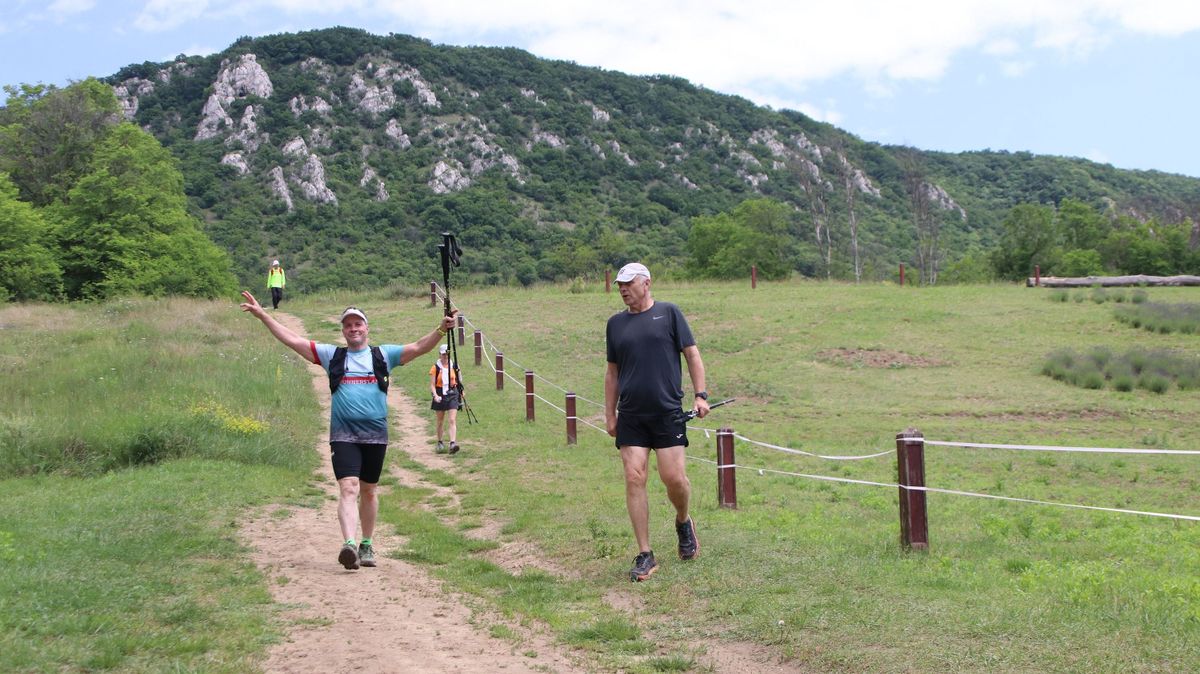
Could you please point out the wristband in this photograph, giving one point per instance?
(442, 331)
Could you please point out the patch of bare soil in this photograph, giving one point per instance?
(392, 618)
(877, 358)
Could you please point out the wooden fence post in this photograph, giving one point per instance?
(753, 276)
(1037, 275)
(528, 395)
(726, 472)
(499, 371)
(571, 437)
(910, 462)
(901, 274)
(478, 347)
(433, 293)
(607, 281)
(462, 332)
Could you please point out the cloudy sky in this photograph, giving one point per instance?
(1115, 81)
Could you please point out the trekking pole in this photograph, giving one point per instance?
(691, 414)
(451, 254)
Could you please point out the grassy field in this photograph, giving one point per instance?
(133, 435)
(814, 569)
(105, 481)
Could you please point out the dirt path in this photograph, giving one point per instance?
(395, 617)
(392, 618)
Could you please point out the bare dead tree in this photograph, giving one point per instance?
(809, 177)
(847, 171)
(925, 222)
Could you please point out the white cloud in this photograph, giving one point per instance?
(1015, 68)
(65, 8)
(1097, 155)
(161, 15)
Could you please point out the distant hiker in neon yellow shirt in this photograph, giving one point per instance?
(276, 281)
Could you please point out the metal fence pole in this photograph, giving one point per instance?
(571, 437)
(726, 472)
(910, 462)
(528, 395)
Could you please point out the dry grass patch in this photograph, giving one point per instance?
(883, 358)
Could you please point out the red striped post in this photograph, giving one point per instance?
(528, 395)
(499, 371)
(607, 281)
(478, 347)
(433, 293)
(726, 473)
(571, 418)
(753, 276)
(902, 274)
(462, 332)
(910, 455)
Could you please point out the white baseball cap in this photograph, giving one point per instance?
(442, 349)
(353, 311)
(275, 263)
(632, 270)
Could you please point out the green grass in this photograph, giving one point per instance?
(133, 437)
(1005, 587)
(1165, 318)
(811, 571)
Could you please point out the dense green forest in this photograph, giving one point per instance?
(344, 154)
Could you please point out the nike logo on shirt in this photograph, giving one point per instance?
(657, 317)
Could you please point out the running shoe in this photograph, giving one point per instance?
(366, 554)
(348, 557)
(689, 545)
(453, 447)
(441, 447)
(643, 566)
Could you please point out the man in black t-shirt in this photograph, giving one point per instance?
(643, 394)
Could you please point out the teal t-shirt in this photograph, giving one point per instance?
(359, 409)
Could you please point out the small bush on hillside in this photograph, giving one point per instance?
(1150, 370)
(1161, 318)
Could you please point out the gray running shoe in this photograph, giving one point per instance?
(348, 557)
(366, 554)
(643, 566)
(689, 545)
(441, 447)
(453, 447)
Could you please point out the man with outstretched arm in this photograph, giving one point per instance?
(358, 379)
(643, 393)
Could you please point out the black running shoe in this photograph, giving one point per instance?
(689, 545)
(366, 554)
(453, 447)
(348, 557)
(643, 566)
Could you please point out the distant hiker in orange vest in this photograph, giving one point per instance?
(444, 386)
(276, 281)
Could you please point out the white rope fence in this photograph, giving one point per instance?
(762, 471)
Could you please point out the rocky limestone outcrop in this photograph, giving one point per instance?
(598, 114)
(616, 148)
(306, 172)
(397, 134)
(247, 131)
(370, 177)
(544, 138)
(394, 72)
(370, 98)
(482, 151)
(448, 177)
(938, 197)
(859, 179)
(237, 161)
(302, 104)
(238, 79)
(532, 95)
(279, 187)
(130, 91)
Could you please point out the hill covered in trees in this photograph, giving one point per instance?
(345, 154)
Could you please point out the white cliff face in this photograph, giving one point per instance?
(131, 90)
(235, 80)
(616, 148)
(302, 104)
(237, 161)
(482, 152)
(599, 115)
(279, 187)
(371, 178)
(307, 172)
(545, 138)
(397, 134)
(247, 131)
(370, 98)
(938, 197)
(448, 177)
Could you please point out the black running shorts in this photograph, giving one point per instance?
(358, 459)
(657, 431)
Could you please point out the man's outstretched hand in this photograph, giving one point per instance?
(251, 304)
